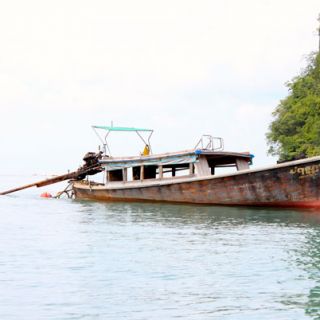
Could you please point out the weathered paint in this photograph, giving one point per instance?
(296, 184)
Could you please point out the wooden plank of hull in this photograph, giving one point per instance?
(295, 185)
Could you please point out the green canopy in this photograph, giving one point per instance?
(120, 128)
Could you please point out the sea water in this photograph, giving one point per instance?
(69, 259)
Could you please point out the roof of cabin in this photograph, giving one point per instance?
(175, 158)
(112, 128)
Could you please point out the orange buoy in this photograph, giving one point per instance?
(46, 195)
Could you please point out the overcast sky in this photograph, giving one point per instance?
(184, 68)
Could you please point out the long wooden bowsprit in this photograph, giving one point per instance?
(91, 167)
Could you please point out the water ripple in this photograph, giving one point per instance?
(63, 259)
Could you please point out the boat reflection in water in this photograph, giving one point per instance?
(262, 261)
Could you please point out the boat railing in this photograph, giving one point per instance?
(209, 142)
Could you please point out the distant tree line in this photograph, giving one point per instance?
(295, 131)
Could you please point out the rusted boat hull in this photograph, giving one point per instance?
(295, 184)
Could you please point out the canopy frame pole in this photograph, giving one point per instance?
(149, 143)
(106, 143)
(148, 140)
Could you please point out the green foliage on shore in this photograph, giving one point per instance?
(295, 130)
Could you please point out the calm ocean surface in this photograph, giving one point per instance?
(67, 259)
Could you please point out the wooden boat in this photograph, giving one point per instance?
(192, 176)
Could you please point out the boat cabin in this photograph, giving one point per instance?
(203, 160)
(198, 162)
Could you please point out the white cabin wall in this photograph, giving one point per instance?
(202, 167)
(242, 164)
(129, 174)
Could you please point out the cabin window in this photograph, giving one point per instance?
(150, 172)
(178, 170)
(115, 175)
(144, 172)
(227, 164)
(169, 171)
(136, 173)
